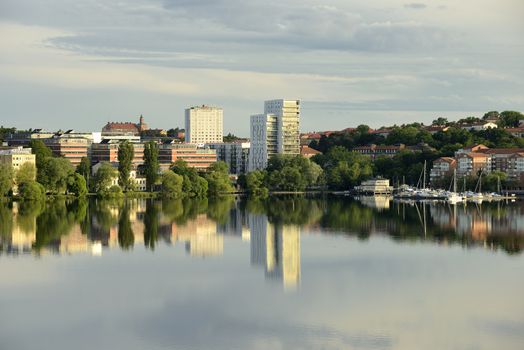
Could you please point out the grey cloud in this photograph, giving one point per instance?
(416, 6)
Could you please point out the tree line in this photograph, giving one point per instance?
(54, 175)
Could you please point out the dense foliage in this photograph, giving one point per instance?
(6, 179)
(408, 164)
(151, 165)
(284, 173)
(126, 152)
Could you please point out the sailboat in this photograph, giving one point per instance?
(454, 197)
(478, 196)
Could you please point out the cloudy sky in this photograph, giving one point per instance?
(80, 63)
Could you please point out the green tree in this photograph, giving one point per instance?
(53, 174)
(151, 164)
(103, 178)
(6, 179)
(41, 151)
(230, 138)
(193, 184)
(491, 115)
(255, 184)
(126, 153)
(510, 119)
(77, 184)
(172, 185)
(440, 121)
(218, 179)
(26, 173)
(84, 169)
(31, 191)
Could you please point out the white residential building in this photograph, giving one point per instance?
(204, 124)
(274, 132)
(235, 154)
(264, 135)
(288, 113)
(479, 126)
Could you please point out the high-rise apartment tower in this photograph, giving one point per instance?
(204, 124)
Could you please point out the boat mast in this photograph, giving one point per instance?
(455, 181)
(424, 180)
(480, 182)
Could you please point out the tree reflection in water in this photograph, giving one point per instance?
(43, 226)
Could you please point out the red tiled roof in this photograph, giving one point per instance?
(306, 150)
(121, 126)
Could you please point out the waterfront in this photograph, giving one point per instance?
(288, 272)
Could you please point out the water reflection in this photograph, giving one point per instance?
(272, 227)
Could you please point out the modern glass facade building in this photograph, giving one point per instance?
(277, 131)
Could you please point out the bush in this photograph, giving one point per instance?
(112, 192)
(172, 185)
(31, 191)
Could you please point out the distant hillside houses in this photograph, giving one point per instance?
(470, 161)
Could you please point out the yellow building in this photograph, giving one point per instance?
(16, 157)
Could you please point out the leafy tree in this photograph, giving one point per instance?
(26, 173)
(6, 179)
(230, 138)
(31, 191)
(41, 152)
(174, 132)
(151, 164)
(510, 119)
(292, 173)
(172, 185)
(440, 121)
(193, 185)
(491, 115)
(218, 179)
(255, 183)
(409, 135)
(344, 168)
(103, 178)
(5, 131)
(77, 184)
(112, 192)
(84, 169)
(126, 153)
(53, 174)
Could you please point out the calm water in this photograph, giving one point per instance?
(288, 273)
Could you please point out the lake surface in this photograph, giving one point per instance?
(283, 273)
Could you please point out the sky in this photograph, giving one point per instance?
(78, 64)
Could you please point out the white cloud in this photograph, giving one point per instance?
(376, 55)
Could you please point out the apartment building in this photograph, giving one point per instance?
(442, 167)
(375, 151)
(192, 154)
(276, 131)
(204, 124)
(107, 151)
(235, 154)
(16, 157)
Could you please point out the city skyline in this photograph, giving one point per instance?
(350, 63)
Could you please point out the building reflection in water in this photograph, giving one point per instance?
(89, 227)
(199, 236)
(276, 247)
